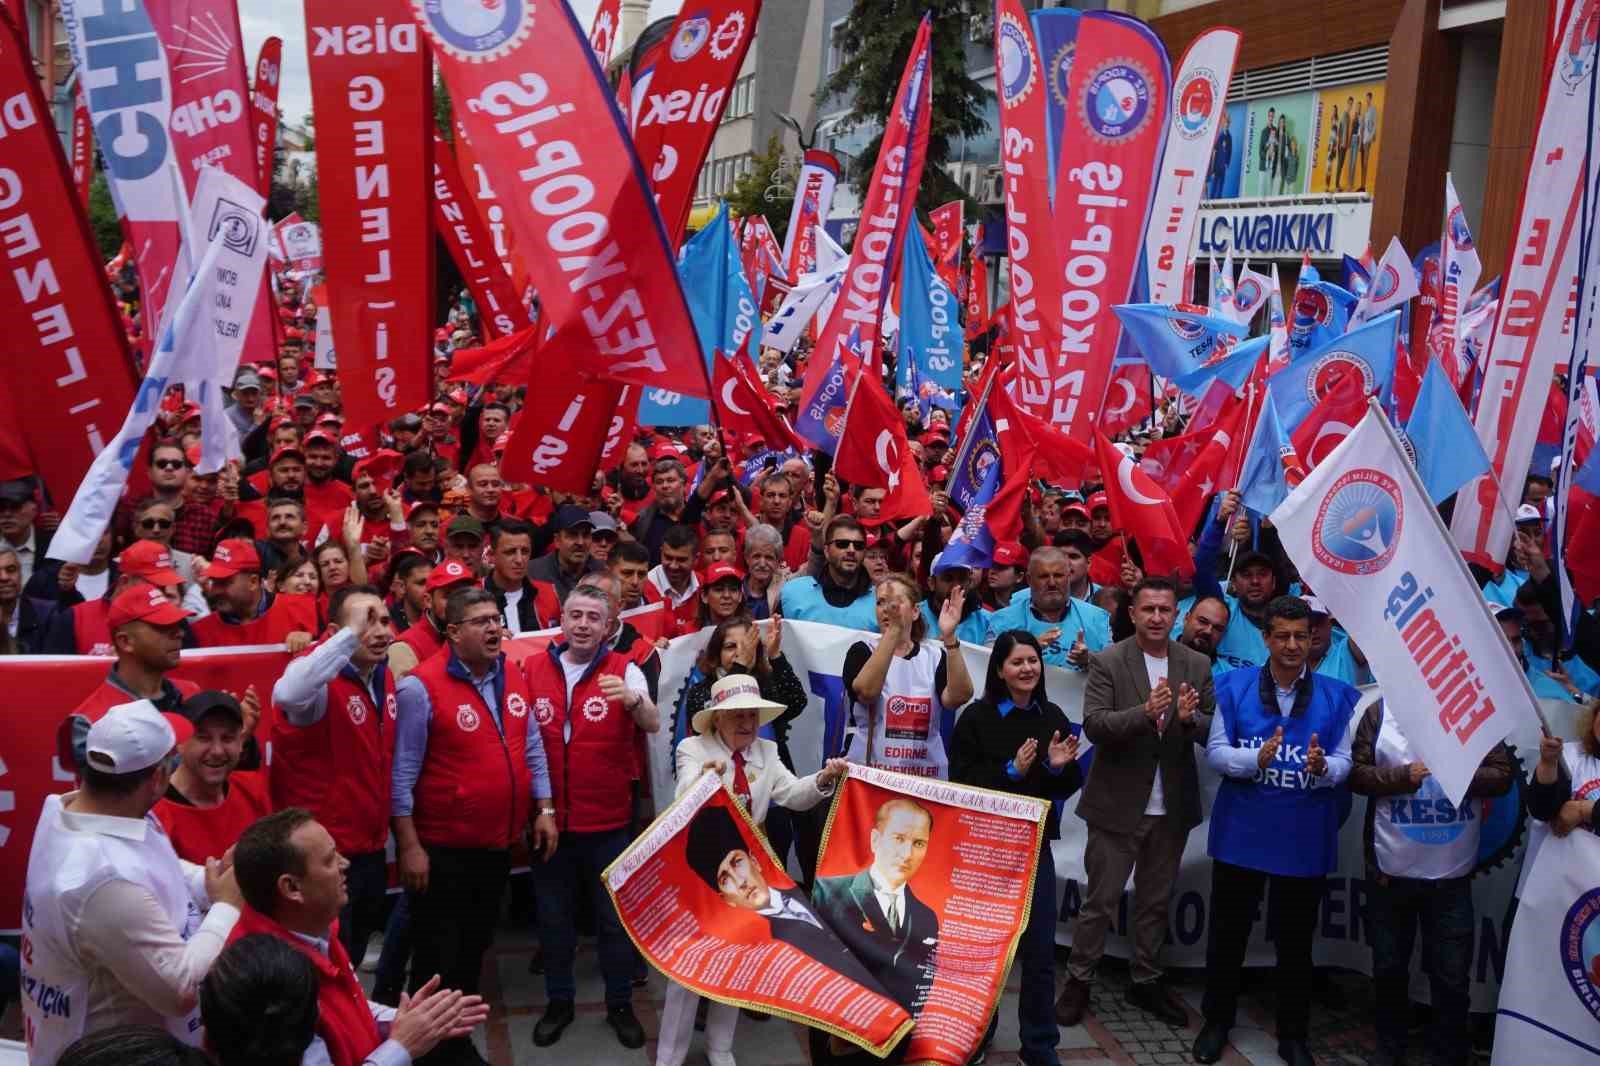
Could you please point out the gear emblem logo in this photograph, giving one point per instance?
(517, 706)
(544, 710)
(594, 708)
(356, 709)
(725, 41)
(475, 31)
(466, 718)
(1116, 101)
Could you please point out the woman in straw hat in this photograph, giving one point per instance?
(726, 742)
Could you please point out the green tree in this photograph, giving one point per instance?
(876, 41)
(103, 217)
(749, 194)
(441, 108)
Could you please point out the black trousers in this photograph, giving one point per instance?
(1291, 922)
(453, 922)
(367, 910)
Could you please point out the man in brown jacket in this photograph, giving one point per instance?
(1147, 703)
(1421, 850)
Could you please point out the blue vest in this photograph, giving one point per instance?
(972, 629)
(1282, 821)
(1241, 643)
(1503, 591)
(1339, 663)
(1081, 617)
(802, 601)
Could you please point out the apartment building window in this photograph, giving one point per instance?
(835, 45)
(741, 99)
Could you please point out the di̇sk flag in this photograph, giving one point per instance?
(1363, 532)
(1368, 352)
(813, 196)
(1143, 511)
(543, 125)
(873, 450)
(758, 251)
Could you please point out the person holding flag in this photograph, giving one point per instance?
(1068, 628)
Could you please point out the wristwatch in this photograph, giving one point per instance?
(551, 811)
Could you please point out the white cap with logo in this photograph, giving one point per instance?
(131, 737)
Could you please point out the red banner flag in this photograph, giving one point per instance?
(82, 151)
(1127, 398)
(759, 252)
(819, 176)
(1141, 509)
(558, 440)
(684, 98)
(543, 123)
(1116, 128)
(373, 96)
(873, 450)
(603, 30)
(66, 352)
(264, 108)
(1191, 467)
(508, 358)
(743, 406)
(977, 294)
(455, 216)
(949, 228)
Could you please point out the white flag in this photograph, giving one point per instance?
(1366, 539)
(1249, 294)
(1393, 283)
(1549, 1009)
(809, 295)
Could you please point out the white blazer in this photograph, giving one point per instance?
(770, 781)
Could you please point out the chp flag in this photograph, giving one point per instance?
(1363, 533)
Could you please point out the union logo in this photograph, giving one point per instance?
(692, 35)
(595, 708)
(1189, 329)
(1456, 227)
(730, 31)
(1576, 61)
(356, 709)
(544, 710)
(1060, 71)
(1191, 111)
(1249, 294)
(1018, 65)
(1386, 284)
(1358, 523)
(1116, 101)
(466, 718)
(475, 30)
(517, 706)
(1580, 950)
(390, 707)
(1312, 308)
(1330, 368)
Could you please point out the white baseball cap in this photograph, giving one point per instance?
(1527, 512)
(133, 737)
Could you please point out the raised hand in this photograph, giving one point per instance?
(1269, 750)
(775, 636)
(353, 526)
(1023, 760)
(1316, 761)
(1188, 703)
(1159, 703)
(950, 613)
(1078, 655)
(1061, 752)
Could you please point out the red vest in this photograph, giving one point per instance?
(201, 833)
(93, 708)
(546, 604)
(344, 1021)
(589, 772)
(423, 638)
(475, 789)
(338, 767)
(91, 627)
(287, 614)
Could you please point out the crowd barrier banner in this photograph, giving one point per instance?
(967, 857)
(41, 690)
(710, 906)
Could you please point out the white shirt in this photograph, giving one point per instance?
(27, 554)
(632, 677)
(887, 897)
(1156, 669)
(93, 586)
(513, 620)
(779, 906)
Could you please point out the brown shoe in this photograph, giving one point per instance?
(1072, 1002)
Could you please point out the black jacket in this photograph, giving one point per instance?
(902, 961)
(983, 742)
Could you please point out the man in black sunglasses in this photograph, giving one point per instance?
(840, 592)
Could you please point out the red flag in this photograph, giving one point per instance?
(1333, 418)
(374, 111)
(264, 108)
(544, 125)
(685, 97)
(743, 405)
(1127, 398)
(1057, 457)
(1143, 511)
(508, 358)
(1407, 379)
(623, 423)
(945, 248)
(71, 380)
(603, 30)
(873, 450)
(1193, 467)
(558, 438)
(456, 218)
(82, 150)
(977, 291)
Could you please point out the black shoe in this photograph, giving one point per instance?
(557, 1016)
(1072, 1002)
(630, 1034)
(1295, 1053)
(1211, 1042)
(1155, 998)
(536, 964)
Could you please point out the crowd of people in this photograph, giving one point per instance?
(187, 885)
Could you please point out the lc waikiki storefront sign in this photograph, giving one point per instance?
(1322, 229)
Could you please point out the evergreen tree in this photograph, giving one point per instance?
(876, 42)
(749, 194)
(103, 217)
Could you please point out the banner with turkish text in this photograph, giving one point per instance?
(82, 151)
(813, 197)
(559, 437)
(949, 231)
(372, 88)
(456, 218)
(264, 108)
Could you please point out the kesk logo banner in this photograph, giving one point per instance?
(1364, 534)
(760, 945)
(1531, 337)
(979, 856)
(686, 96)
(545, 129)
(1116, 111)
(264, 108)
(66, 353)
(1198, 95)
(813, 196)
(456, 218)
(373, 95)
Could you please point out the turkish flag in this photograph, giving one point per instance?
(743, 405)
(1057, 457)
(508, 358)
(1191, 468)
(873, 451)
(1144, 512)
(1330, 421)
(1127, 398)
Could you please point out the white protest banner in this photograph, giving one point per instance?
(1363, 534)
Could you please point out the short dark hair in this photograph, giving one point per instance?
(1287, 608)
(279, 499)
(629, 551)
(668, 465)
(132, 1045)
(496, 405)
(680, 537)
(509, 527)
(839, 522)
(1075, 539)
(263, 854)
(994, 687)
(1153, 583)
(455, 608)
(406, 562)
(259, 1003)
(172, 443)
(342, 597)
(100, 783)
(415, 463)
(1212, 599)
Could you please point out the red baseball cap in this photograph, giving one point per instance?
(448, 573)
(421, 505)
(236, 556)
(316, 436)
(1097, 501)
(441, 334)
(458, 396)
(722, 572)
(665, 449)
(150, 560)
(286, 451)
(144, 603)
(1009, 553)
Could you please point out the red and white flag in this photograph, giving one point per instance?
(1191, 468)
(1459, 270)
(603, 30)
(456, 218)
(873, 450)
(559, 438)
(1333, 419)
(743, 406)
(82, 150)
(264, 108)
(1144, 511)
(1127, 398)
(813, 196)
(949, 228)
(977, 294)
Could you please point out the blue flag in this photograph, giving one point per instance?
(930, 336)
(1368, 351)
(1175, 342)
(972, 545)
(1233, 368)
(1055, 31)
(1356, 278)
(1588, 476)
(1263, 479)
(1447, 451)
(977, 456)
(1321, 313)
(724, 313)
(820, 419)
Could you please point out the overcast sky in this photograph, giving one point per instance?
(260, 19)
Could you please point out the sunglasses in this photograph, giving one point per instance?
(170, 464)
(155, 523)
(845, 544)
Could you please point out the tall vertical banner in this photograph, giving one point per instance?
(264, 108)
(1199, 92)
(603, 30)
(813, 196)
(1530, 337)
(1055, 34)
(66, 354)
(456, 218)
(686, 96)
(930, 332)
(545, 128)
(82, 151)
(1459, 269)
(949, 230)
(1116, 127)
(373, 94)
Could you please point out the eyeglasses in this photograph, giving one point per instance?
(170, 464)
(488, 621)
(844, 544)
(155, 523)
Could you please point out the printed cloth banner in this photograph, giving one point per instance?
(542, 122)
(43, 690)
(967, 892)
(1459, 270)
(264, 108)
(603, 30)
(1363, 533)
(82, 151)
(1393, 283)
(373, 92)
(1055, 35)
(813, 196)
(300, 244)
(707, 903)
(1549, 1009)
(948, 232)
(66, 351)
(930, 331)
(456, 218)
(799, 309)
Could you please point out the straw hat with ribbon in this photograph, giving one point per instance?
(732, 693)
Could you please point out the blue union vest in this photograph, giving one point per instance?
(1284, 820)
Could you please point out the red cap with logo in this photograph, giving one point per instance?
(722, 572)
(1009, 553)
(1097, 501)
(286, 452)
(449, 573)
(144, 603)
(150, 560)
(236, 556)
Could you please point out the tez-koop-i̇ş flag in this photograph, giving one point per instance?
(1364, 535)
